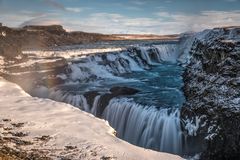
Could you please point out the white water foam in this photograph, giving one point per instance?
(133, 64)
(168, 52)
(145, 55)
(95, 105)
(75, 100)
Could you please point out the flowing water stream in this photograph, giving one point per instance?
(149, 118)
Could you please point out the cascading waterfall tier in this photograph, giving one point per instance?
(108, 65)
(146, 126)
(77, 100)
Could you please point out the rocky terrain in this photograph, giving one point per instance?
(212, 89)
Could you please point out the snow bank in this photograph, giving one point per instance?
(67, 126)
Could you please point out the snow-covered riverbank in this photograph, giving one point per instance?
(58, 130)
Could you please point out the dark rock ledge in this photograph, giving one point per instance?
(212, 89)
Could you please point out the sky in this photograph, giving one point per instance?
(122, 16)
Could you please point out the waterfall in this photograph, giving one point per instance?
(132, 63)
(145, 55)
(95, 105)
(84, 71)
(73, 99)
(111, 65)
(168, 52)
(145, 126)
(84, 103)
(78, 73)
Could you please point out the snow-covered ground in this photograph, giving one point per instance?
(68, 131)
(72, 52)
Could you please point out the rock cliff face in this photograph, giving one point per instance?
(212, 89)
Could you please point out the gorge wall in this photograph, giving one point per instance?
(212, 90)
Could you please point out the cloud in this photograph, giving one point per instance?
(60, 6)
(159, 23)
(231, 0)
(115, 23)
(13, 20)
(162, 23)
(138, 2)
(74, 9)
(55, 4)
(31, 13)
(168, 1)
(206, 19)
(133, 8)
(43, 20)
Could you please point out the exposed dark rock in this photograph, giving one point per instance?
(123, 91)
(90, 96)
(153, 55)
(55, 29)
(17, 141)
(19, 134)
(19, 154)
(44, 138)
(9, 51)
(6, 120)
(135, 53)
(113, 64)
(70, 147)
(212, 92)
(226, 144)
(103, 102)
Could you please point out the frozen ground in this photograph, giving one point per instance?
(58, 130)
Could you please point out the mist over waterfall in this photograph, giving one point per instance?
(137, 90)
